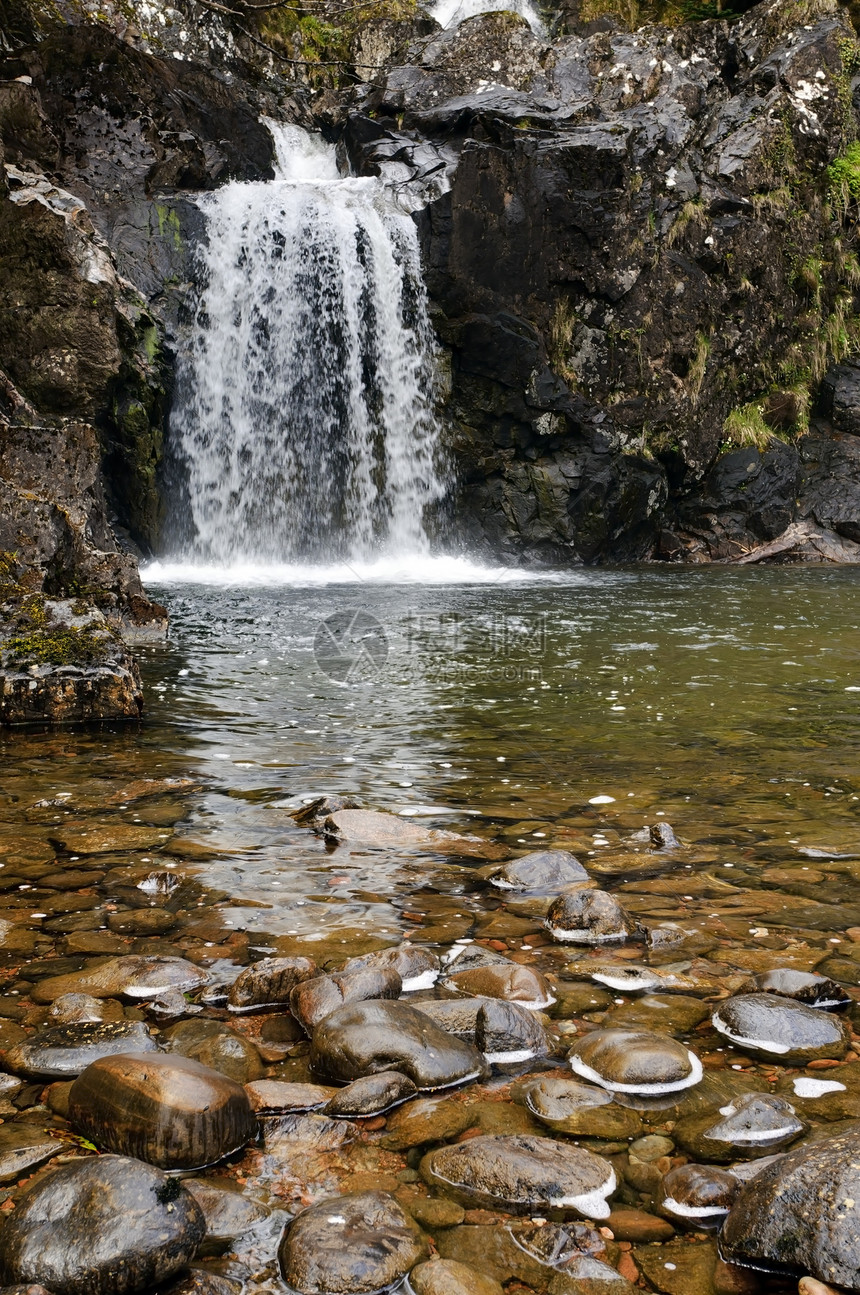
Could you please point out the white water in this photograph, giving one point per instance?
(304, 421)
(450, 13)
(415, 569)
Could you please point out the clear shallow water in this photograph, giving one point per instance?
(722, 700)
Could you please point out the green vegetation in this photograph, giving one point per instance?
(698, 366)
(322, 43)
(692, 213)
(561, 329)
(746, 426)
(843, 175)
(57, 645)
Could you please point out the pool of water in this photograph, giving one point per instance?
(721, 701)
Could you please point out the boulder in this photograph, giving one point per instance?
(370, 1096)
(633, 1061)
(505, 1032)
(166, 1110)
(753, 1125)
(417, 968)
(63, 1051)
(544, 872)
(770, 1026)
(522, 1174)
(365, 1038)
(588, 917)
(269, 983)
(579, 1110)
(106, 1223)
(513, 983)
(357, 1244)
(135, 977)
(215, 1045)
(697, 1196)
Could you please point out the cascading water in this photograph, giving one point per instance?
(304, 423)
(450, 13)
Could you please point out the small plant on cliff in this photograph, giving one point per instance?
(843, 175)
(746, 426)
(561, 328)
(698, 365)
(692, 213)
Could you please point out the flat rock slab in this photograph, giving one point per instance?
(101, 1224)
(113, 838)
(370, 827)
(350, 1245)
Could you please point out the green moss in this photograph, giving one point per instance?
(843, 175)
(62, 645)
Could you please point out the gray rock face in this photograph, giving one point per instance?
(633, 1061)
(64, 1051)
(521, 1173)
(350, 1245)
(545, 872)
(588, 917)
(799, 1214)
(770, 1026)
(99, 1224)
(269, 983)
(365, 1038)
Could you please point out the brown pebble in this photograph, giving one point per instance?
(374, 1123)
(637, 1225)
(812, 1286)
(823, 1063)
(627, 1268)
(498, 945)
(729, 1279)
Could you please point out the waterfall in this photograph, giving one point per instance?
(304, 423)
(450, 13)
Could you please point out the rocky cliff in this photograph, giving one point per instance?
(640, 250)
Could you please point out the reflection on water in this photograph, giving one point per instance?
(722, 700)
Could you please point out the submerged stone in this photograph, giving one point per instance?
(371, 1095)
(522, 1174)
(803, 986)
(63, 1051)
(313, 1000)
(799, 1214)
(215, 1045)
(70, 1009)
(769, 1025)
(167, 1110)
(580, 1110)
(448, 1277)
(513, 983)
(136, 977)
(274, 1097)
(269, 983)
(544, 872)
(632, 1061)
(365, 1038)
(754, 1125)
(357, 1244)
(588, 917)
(101, 1224)
(465, 956)
(697, 1196)
(372, 827)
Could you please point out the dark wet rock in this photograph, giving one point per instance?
(418, 968)
(513, 983)
(227, 1212)
(447, 1277)
(697, 1196)
(770, 1026)
(23, 1148)
(467, 956)
(298, 1139)
(579, 1110)
(317, 811)
(574, 999)
(803, 986)
(662, 837)
(106, 1223)
(522, 1174)
(365, 1038)
(370, 827)
(167, 1110)
(799, 1213)
(200, 1281)
(72, 1008)
(274, 1097)
(269, 983)
(676, 1014)
(215, 1045)
(313, 1000)
(429, 1119)
(370, 1095)
(670, 941)
(588, 917)
(350, 1245)
(545, 872)
(66, 1050)
(135, 977)
(629, 1061)
(754, 1125)
(171, 1005)
(141, 921)
(433, 1212)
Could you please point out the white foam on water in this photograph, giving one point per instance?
(508, 1058)
(415, 569)
(763, 1045)
(593, 1204)
(692, 1211)
(645, 1090)
(426, 980)
(805, 1087)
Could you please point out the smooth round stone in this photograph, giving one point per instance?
(227, 1212)
(66, 1050)
(522, 1174)
(429, 1119)
(664, 1013)
(544, 872)
(214, 1044)
(137, 977)
(588, 917)
(504, 1032)
(768, 1025)
(628, 979)
(370, 1096)
(418, 968)
(632, 1061)
(100, 1224)
(269, 983)
(696, 1196)
(800, 1213)
(350, 1245)
(803, 986)
(70, 1009)
(580, 1110)
(448, 1277)
(274, 1097)
(463, 957)
(167, 1110)
(752, 1126)
(365, 1038)
(313, 1000)
(513, 983)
